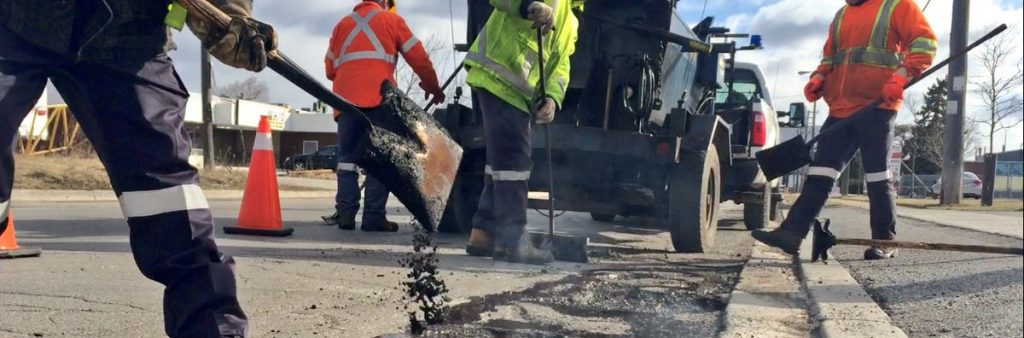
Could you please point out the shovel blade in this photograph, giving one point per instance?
(784, 158)
(411, 154)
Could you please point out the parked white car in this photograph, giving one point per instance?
(971, 186)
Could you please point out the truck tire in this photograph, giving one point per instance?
(757, 214)
(602, 217)
(694, 198)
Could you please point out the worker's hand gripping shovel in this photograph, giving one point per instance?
(563, 247)
(796, 153)
(408, 150)
(824, 239)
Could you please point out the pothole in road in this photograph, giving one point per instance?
(644, 300)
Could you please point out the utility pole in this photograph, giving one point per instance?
(953, 142)
(208, 161)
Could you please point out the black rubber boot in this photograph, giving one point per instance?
(524, 252)
(876, 253)
(779, 238)
(380, 226)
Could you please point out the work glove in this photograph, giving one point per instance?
(245, 44)
(542, 15)
(432, 90)
(545, 111)
(892, 91)
(813, 89)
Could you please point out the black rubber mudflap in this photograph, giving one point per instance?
(21, 252)
(258, 232)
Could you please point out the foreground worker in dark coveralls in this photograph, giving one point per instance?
(363, 54)
(504, 72)
(873, 48)
(108, 59)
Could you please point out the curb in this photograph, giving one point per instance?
(31, 195)
(865, 205)
(838, 304)
(768, 301)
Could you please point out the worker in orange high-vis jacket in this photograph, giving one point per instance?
(873, 49)
(363, 53)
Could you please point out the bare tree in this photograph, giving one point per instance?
(251, 89)
(408, 82)
(998, 87)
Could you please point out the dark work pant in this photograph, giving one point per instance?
(353, 138)
(133, 114)
(502, 209)
(872, 134)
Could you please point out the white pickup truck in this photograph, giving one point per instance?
(749, 110)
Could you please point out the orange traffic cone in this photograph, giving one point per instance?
(9, 244)
(261, 206)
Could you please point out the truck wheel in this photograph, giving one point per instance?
(694, 197)
(756, 214)
(602, 217)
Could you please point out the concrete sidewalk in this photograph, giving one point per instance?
(1000, 224)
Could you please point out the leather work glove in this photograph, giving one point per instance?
(542, 15)
(813, 89)
(892, 91)
(432, 90)
(245, 44)
(545, 111)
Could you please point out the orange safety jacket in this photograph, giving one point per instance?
(364, 50)
(866, 45)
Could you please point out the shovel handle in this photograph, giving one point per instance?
(447, 82)
(874, 104)
(277, 61)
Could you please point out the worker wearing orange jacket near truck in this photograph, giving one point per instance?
(363, 53)
(873, 49)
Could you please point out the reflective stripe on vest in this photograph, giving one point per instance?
(924, 45)
(877, 53)
(362, 26)
(519, 81)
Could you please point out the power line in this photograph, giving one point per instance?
(926, 6)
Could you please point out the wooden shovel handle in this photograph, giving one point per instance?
(207, 12)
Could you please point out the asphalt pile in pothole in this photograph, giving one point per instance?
(636, 301)
(425, 292)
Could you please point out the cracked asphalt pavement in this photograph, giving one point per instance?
(327, 282)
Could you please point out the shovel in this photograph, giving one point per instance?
(824, 239)
(408, 150)
(796, 153)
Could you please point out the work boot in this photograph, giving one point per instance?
(877, 253)
(331, 219)
(779, 238)
(345, 221)
(481, 244)
(523, 252)
(383, 225)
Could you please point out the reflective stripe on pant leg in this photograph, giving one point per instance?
(4, 208)
(507, 134)
(831, 154)
(347, 167)
(134, 113)
(875, 133)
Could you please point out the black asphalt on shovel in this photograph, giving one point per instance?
(565, 248)
(796, 153)
(824, 239)
(408, 150)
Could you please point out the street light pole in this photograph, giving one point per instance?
(205, 74)
(953, 163)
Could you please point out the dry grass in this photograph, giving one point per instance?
(81, 172)
(324, 174)
(969, 205)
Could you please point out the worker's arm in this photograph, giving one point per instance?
(827, 52)
(245, 44)
(916, 38)
(333, 52)
(563, 46)
(416, 56)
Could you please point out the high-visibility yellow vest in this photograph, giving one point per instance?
(503, 59)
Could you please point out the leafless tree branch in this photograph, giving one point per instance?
(251, 89)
